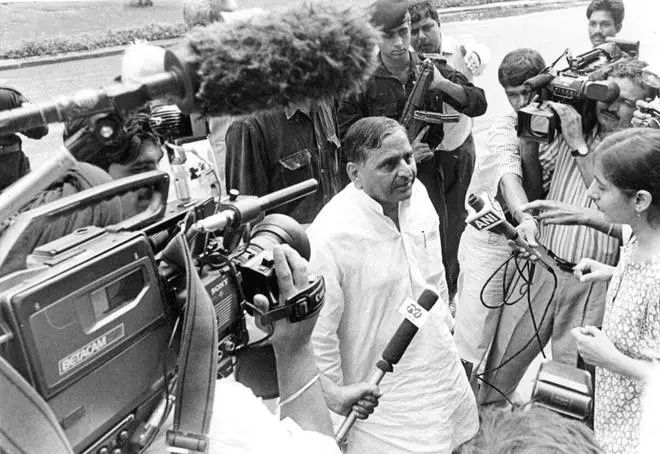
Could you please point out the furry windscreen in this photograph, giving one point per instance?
(313, 52)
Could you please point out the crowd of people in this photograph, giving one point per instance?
(391, 219)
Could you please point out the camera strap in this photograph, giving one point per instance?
(298, 307)
(198, 358)
(28, 423)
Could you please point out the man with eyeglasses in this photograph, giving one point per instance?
(566, 303)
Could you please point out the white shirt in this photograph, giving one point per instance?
(370, 268)
(242, 424)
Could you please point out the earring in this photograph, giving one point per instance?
(638, 215)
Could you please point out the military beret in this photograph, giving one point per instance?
(388, 14)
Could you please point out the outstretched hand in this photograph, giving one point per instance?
(555, 212)
(589, 270)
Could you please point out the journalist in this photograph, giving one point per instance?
(566, 302)
(13, 162)
(482, 253)
(242, 424)
(605, 20)
(136, 150)
(625, 190)
(530, 430)
(377, 245)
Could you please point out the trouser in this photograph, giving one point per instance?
(446, 177)
(481, 255)
(557, 309)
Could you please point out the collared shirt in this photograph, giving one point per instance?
(571, 242)
(370, 268)
(274, 150)
(502, 156)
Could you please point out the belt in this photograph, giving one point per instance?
(562, 264)
(14, 147)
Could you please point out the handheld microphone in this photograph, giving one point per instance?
(314, 51)
(487, 217)
(395, 349)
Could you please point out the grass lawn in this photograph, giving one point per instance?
(35, 21)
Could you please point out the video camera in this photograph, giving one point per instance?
(92, 323)
(580, 85)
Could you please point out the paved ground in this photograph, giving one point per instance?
(550, 32)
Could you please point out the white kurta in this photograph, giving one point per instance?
(370, 268)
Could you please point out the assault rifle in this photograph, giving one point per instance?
(413, 118)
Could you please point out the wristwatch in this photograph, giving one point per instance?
(580, 151)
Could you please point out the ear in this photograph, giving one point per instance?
(642, 201)
(618, 27)
(353, 171)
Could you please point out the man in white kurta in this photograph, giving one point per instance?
(376, 243)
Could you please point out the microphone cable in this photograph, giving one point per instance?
(524, 270)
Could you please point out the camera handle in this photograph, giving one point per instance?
(298, 307)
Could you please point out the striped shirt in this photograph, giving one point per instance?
(571, 242)
(502, 156)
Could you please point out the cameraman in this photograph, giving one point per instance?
(241, 423)
(566, 302)
(135, 150)
(13, 162)
(605, 19)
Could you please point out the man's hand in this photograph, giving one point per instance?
(571, 124)
(439, 81)
(641, 119)
(595, 347)
(421, 151)
(291, 272)
(361, 397)
(589, 270)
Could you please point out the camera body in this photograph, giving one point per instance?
(90, 326)
(93, 322)
(579, 85)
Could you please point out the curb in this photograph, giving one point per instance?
(10, 64)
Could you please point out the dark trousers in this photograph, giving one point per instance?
(446, 177)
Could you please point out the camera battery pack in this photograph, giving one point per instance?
(564, 389)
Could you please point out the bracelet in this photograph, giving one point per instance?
(521, 216)
(298, 393)
(609, 231)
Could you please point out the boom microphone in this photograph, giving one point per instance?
(486, 217)
(235, 68)
(395, 349)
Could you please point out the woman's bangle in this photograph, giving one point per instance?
(298, 393)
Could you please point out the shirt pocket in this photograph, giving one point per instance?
(296, 167)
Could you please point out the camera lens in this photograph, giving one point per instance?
(280, 229)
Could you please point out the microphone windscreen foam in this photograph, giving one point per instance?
(312, 52)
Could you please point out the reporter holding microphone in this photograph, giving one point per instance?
(625, 189)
